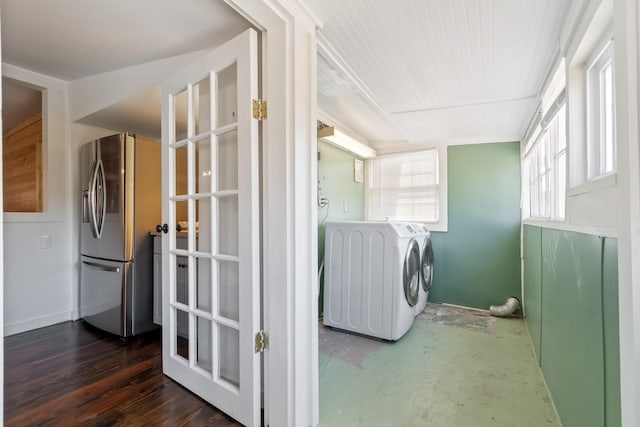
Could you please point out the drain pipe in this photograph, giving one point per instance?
(506, 309)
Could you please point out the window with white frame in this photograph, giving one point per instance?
(405, 187)
(601, 137)
(545, 156)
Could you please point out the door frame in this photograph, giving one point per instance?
(289, 217)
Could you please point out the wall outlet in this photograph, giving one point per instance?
(45, 242)
(344, 207)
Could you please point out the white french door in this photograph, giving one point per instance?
(210, 260)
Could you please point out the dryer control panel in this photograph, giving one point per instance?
(404, 229)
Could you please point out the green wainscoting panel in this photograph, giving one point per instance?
(532, 253)
(335, 182)
(611, 332)
(572, 349)
(439, 244)
(480, 253)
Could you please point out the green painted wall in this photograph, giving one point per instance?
(611, 332)
(532, 254)
(571, 304)
(346, 197)
(572, 347)
(477, 262)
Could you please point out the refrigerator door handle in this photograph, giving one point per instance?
(91, 199)
(85, 206)
(102, 267)
(96, 183)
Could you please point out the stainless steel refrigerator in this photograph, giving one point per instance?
(121, 204)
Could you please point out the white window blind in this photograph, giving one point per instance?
(404, 187)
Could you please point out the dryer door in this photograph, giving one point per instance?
(426, 265)
(411, 272)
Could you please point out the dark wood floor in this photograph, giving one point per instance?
(71, 374)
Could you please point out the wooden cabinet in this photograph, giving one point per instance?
(22, 172)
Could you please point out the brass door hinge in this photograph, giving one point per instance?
(259, 109)
(262, 341)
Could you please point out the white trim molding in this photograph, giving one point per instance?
(289, 237)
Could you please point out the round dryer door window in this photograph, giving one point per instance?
(427, 266)
(411, 273)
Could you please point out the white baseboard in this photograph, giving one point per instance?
(40, 322)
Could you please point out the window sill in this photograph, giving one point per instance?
(566, 226)
(599, 183)
(34, 217)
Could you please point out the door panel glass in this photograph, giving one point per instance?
(227, 101)
(228, 161)
(228, 225)
(182, 334)
(203, 225)
(228, 285)
(203, 165)
(182, 211)
(182, 280)
(229, 353)
(180, 105)
(201, 107)
(204, 358)
(203, 284)
(181, 178)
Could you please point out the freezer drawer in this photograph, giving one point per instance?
(105, 294)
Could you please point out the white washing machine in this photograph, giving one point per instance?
(423, 236)
(371, 277)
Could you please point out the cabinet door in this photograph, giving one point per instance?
(157, 289)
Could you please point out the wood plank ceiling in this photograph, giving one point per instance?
(433, 71)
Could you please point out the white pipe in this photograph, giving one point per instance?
(506, 309)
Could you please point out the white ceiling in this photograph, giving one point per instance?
(423, 71)
(69, 39)
(441, 71)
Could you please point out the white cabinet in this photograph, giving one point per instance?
(181, 283)
(157, 288)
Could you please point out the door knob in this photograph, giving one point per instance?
(164, 228)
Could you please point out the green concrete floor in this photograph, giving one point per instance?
(455, 367)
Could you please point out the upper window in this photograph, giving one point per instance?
(545, 171)
(545, 155)
(407, 187)
(601, 137)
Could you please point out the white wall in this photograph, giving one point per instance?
(627, 40)
(41, 285)
(37, 282)
(610, 208)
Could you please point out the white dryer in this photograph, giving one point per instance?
(423, 236)
(371, 277)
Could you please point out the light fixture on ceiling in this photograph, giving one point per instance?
(342, 140)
